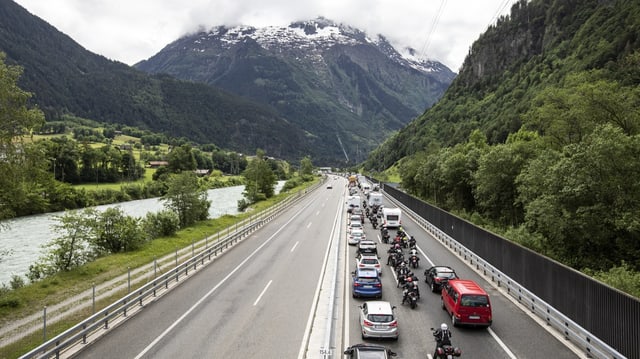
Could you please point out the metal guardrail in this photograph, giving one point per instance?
(592, 346)
(82, 332)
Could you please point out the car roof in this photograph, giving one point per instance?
(443, 268)
(379, 307)
(356, 230)
(467, 286)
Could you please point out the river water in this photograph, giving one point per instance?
(24, 237)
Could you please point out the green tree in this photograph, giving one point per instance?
(306, 168)
(187, 198)
(584, 203)
(181, 159)
(117, 232)
(21, 169)
(495, 180)
(71, 249)
(259, 179)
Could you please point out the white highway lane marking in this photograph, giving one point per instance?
(201, 300)
(262, 293)
(309, 225)
(502, 344)
(294, 246)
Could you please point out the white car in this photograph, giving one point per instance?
(370, 261)
(355, 225)
(355, 236)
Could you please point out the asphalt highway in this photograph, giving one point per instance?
(257, 300)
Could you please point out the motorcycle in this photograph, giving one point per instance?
(413, 260)
(410, 297)
(384, 233)
(445, 351)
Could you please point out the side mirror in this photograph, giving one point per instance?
(394, 307)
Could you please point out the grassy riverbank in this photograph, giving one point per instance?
(31, 298)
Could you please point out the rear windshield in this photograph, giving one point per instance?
(474, 301)
(380, 318)
(369, 261)
(367, 280)
(392, 217)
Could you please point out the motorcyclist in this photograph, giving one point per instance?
(443, 337)
(391, 259)
(412, 242)
(406, 288)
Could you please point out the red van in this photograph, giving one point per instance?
(466, 302)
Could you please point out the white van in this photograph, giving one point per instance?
(352, 202)
(375, 199)
(391, 217)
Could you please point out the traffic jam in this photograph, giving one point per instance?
(398, 256)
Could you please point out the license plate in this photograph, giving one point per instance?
(368, 286)
(380, 326)
(474, 317)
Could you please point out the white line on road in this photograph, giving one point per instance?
(502, 344)
(201, 300)
(294, 246)
(261, 294)
(309, 225)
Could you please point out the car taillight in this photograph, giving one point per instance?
(394, 324)
(378, 285)
(361, 265)
(356, 284)
(368, 323)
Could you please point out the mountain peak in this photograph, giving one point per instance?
(347, 90)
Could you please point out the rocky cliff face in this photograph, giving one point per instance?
(347, 90)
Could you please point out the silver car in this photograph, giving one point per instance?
(355, 236)
(377, 320)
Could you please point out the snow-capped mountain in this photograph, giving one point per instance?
(348, 90)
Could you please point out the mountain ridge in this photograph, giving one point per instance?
(346, 90)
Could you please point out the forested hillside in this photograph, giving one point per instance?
(66, 79)
(538, 138)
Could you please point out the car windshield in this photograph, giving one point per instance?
(474, 301)
(380, 318)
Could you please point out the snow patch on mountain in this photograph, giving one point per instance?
(311, 36)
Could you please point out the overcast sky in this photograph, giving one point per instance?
(133, 30)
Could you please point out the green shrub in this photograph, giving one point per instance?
(161, 224)
(16, 282)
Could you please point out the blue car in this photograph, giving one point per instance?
(366, 283)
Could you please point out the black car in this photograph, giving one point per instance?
(436, 275)
(371, 351)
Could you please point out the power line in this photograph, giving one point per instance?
(501, 8)
(436, 19)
